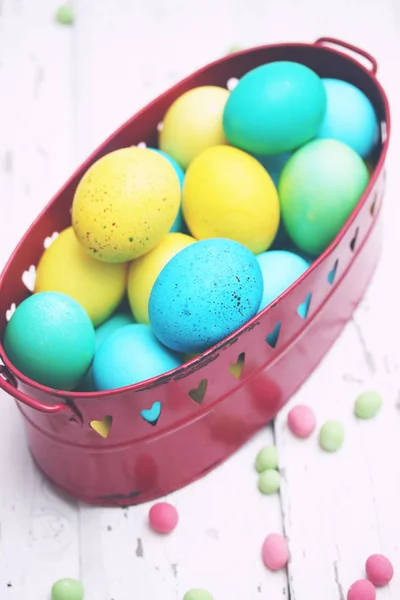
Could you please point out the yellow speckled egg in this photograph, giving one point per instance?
(193, 123)
(65, 267)
(144, 271)
(228, 194)
(125, 203)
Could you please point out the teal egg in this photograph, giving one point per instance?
(50, 339)
(179, 223)
(115, 322)
(319, 187)
(275, 108)
(280, 269)
(350, 117)
(130, 355)
(204, 293)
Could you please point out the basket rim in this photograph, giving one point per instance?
(148, 383)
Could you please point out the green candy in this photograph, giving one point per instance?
(67, 589)
(65, 15)
(269, 481)
(267, 458)
(197, 594)
(331, 435)
(368, 404)
(235, 48)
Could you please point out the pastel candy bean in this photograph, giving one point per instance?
(267, 458)
(331, 435)
(368, 404)
(361, 590)
(275, 553)
(301, 421)
(67, 589)
(163, 517)
(197, 594)
(269, 481)
(379, 569)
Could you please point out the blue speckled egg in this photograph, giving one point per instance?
(179, 223)
(129, 355)
(280, 268)
(350, 117)
(118, 320)
(204, 293)
(275, 108)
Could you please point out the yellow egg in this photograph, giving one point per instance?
(193, 123)
(65, 267)
(144, 271)
(228, 193)
(125, 203)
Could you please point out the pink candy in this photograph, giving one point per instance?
(163, 517)
(361, 590)
(301, 421)
(379, 569)
(275, 553)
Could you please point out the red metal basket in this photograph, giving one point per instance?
(207, 411)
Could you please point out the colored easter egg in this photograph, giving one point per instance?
(280, 268)
(178, 224)
(118, 320)
(227, 193)
(66, 267)
(125, 203)
(130, 355)
(204, 293)
(319, 187)
(144, 271)
(50, 339)
(193, 123)
(350, 117)
(275, 108)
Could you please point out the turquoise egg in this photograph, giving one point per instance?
(50, 339)
(280, 268)
(350, 117)
(179, 223)
(275, 108)
(204, 293)
(130, 355)
(319, 188)
(115, 322)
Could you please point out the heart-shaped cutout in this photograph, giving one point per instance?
(354, 240)
(10, 311)
(151, 415)
(102, 427)
(50, 239)
(29, 278)
(303, 308)
(236, 368)
(332, 274)
(272, 338)
(197, 394)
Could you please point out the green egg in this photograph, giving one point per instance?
(50, 339)
(319, 187)
(275, 108)
(67, 589)
(197, 594)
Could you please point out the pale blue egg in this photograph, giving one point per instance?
(280, 268)
(204, 293)
(179, 223)
(129, 355)
(350, 117)
(115, 322)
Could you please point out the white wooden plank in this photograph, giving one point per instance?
(39, 534)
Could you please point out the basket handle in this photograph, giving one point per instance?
(327, 40)
(9, 384)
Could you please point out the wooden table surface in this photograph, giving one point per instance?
(62, 90)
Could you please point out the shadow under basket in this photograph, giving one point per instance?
(136, 444)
